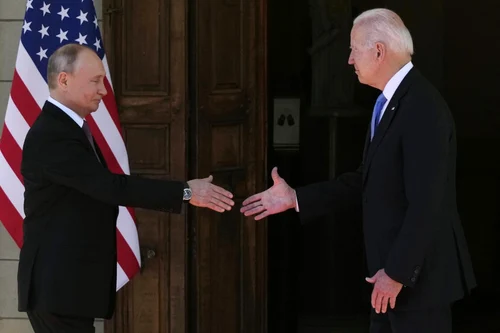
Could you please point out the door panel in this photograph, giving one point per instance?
(229, 258)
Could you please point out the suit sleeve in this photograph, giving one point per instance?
(426, 146)
(69, 163)
(343, 193)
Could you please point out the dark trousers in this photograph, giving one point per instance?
(44, 322)
(433, 320)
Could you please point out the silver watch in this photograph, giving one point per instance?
(187, 194)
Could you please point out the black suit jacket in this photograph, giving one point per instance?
(406, 187)
(68, 260)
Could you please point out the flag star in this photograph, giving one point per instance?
(26, 26)
(82, 17)
(62, 35)
(95, 21)
(43, 31)
(97, 44)
(42, 54)
(45, 8)
(63, 13)
(81, 39)
(28, 5)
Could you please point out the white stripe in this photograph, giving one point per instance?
(121, 277)
(16, 123)
(112, 136)
(31, 77)
(128, 229)
(13, 188)
(108, 74)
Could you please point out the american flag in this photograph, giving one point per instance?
(48, 25)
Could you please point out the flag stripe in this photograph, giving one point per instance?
(12, 152)
(112, 136)
(111, 106)
(11, 185)
(23, 100)
(12, 221)
(130, 267)
(128, 229)
(17, 124)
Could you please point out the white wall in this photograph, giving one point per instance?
(11, 19)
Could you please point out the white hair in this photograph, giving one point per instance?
(385, 26)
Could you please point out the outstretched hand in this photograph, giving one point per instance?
(276, 199)
(207, 195)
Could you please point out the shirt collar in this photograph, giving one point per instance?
(395, 81)
(72, 114)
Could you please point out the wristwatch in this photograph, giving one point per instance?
(187, 194)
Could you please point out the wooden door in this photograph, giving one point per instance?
(146, 49)
(228, 122)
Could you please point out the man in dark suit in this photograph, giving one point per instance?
(67, 268)
(415, 246)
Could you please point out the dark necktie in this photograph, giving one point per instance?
(377, 110)
(86, 129)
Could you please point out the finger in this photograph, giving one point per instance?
(253, 198)
(374, 297)
(385, 302)
(209, 178)
(393, 302)
(215, 207)
(274, 174)
(223, 197)
(378, 302)
(222, 191)
(219, 203)
(263, 215)
(251, 206)
(256, 210)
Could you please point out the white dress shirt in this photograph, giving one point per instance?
(72, 114)
(389, 90)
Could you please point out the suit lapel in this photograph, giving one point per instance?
(385, 122)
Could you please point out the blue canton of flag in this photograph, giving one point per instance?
(50, 24)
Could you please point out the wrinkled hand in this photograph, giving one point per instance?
(384, 291)
(207, 195)
(276, 199)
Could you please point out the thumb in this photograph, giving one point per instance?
(209, 178)
(275, 176)
(371, 280)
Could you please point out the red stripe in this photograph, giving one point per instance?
(110, 103)
(12, 152)
(23, 100)
(11, 219)
(126, 258)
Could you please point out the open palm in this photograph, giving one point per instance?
(276, 199)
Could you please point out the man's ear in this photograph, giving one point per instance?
(62, 80)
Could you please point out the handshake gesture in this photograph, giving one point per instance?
(276, 199)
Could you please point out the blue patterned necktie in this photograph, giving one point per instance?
(377, 110)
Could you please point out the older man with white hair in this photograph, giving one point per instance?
(415, 245)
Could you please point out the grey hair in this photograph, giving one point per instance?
(385, 26)
(63, 60)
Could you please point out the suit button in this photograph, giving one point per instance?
(417, 269)
(413, 279)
